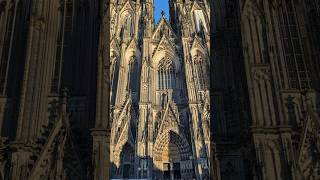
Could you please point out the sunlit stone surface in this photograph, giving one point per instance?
(160, 91)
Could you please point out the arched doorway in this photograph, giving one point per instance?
(127, 162)
(171, 161)
(172, 157)
(125, 168)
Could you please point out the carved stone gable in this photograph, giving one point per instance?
(132, 45)
(196, 6)
(165, 45)
(127, 6)
(163, 28)
(170, 119)
(197, 44)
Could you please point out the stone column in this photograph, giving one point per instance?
(101, 132)
(100, 153)
(35, 84)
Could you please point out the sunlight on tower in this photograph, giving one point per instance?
(159, 6)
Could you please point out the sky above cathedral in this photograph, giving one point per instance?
(160, 5)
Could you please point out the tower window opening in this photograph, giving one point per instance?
(114, 74)
(133, 83)
(63, 42)
(5, 56)
(297, 70)
(166, 75)
(200, 72)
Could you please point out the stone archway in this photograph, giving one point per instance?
(171, 154)
(170, 161)
(125, 168)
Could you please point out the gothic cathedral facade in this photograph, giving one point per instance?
(96, 89)
(160, 106)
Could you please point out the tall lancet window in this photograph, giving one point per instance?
(63, 42)
(297, 69)
(7, 10)
(200, 72)
(127, 28)
(200, 32)
(130, 25)
(166, 75)
(114, 73)
(133, 84)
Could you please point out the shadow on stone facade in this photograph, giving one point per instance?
(151, 171)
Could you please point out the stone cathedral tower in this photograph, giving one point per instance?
(96, 89)
(160, 90)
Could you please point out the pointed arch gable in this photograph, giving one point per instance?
(127, 7)
(123, 140)
(196, 6)
(169, 120)
(125, 13)
(131, 51)
(163, 50)
(163, 24)
(132, 45)
(198, 46)
(166, 44)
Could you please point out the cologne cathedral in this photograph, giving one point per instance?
(160, 91)
(221, 89)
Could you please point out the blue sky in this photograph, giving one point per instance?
(160, 5)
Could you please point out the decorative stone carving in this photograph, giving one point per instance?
(261, 73)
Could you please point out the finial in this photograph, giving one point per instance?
(163, 13)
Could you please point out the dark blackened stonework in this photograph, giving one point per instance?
(47, 46)
(56, 73)
(265, 89)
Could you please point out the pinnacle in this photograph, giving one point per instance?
(163, 14)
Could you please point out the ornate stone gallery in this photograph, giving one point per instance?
(159, 91)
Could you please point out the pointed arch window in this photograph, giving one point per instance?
(127, 28)
(166, 75)
(200, 72)
(114, 73)
(114, 69)
(63, 42)
(127, 158)
(122, 33)
(7, 27)
(297, 69)
(200, 32)
(133, 82)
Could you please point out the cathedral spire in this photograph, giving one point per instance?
(163, 14)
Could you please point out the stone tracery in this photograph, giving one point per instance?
(160, 74)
